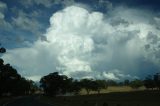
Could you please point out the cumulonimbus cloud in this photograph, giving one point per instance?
(85, 44)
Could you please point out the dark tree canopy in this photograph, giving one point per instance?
(149, 82)
(54, 84)
(135, 84)
(11, 81)
(157, 80)
(87, 84)
(93, 85)
(2, 50)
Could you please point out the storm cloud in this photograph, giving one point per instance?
(80, 43)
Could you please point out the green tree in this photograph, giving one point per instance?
(135, 84)
(11, 81)
(98, 85)
(112, 83)
(126, 82)
(2, 50)
(54, 84)
(87, 84)
(157, 80)
(75, 87)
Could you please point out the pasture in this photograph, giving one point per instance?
(114, 97)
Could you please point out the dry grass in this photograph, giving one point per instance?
(113, 96)
(114, 89)
(135, 98)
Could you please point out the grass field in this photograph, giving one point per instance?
(113, 89)
(126, 97)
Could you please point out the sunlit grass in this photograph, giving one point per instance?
(114, 89)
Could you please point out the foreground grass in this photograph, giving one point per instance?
(134, 98)
(4, 100)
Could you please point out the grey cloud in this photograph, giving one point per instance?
(105, 4)
(46, 3)
(4, 25)
(27, 3)
(147, 46)
(117, 21)
(152, 38)
(27, 23)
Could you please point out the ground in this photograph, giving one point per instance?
(114, 89)
(113, 96)
(130, 98)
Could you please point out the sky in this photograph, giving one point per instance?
(101, 39)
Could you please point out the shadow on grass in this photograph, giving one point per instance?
(136, 98)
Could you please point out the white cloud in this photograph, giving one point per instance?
(110, 76)
(34, 78)
(27, 3)
(3, 6)
(116, 74)
(85, 44)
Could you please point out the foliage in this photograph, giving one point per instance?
(93, 85)
(126, 82)
(10, 81)
(87, 84)
(135, 84)
(149, 82)
(2, 50)
(54, 84)
(112, 83)
(99, 84)
(157, 80)
(75, 87)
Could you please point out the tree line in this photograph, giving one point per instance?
(11, 82)
(152, 82)
(55, 84)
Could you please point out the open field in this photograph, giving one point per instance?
(114, 89)
(133, 98)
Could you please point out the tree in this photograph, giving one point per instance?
(135, 84)
(99, 84)
(157, 80)
(112, 83)
(10, 80)
(87, 84)
(54, 84)
(126, 82)
(93, 85)
(75, 87)
(149, 82)
(2, 50)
